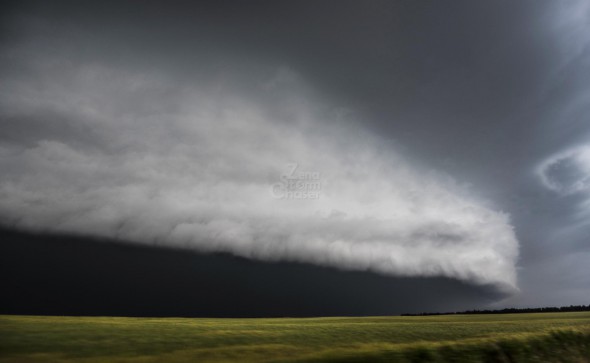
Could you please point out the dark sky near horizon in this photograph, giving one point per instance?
(451, 141)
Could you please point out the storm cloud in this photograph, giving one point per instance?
(398, 137)
(269, 174)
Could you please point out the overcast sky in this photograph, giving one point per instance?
(407, 139)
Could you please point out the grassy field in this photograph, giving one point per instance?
(545, 337)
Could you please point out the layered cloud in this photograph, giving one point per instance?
(262, 170)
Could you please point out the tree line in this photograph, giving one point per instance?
(551, 309)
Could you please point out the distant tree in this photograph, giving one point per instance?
(551, 309)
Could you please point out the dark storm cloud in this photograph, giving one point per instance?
(484, 91)
(69, 275)
(196, 162)
(201, 172)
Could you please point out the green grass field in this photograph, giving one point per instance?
(553, 337)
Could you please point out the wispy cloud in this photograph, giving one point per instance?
(567, 172)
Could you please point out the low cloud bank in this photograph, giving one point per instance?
(258, 171)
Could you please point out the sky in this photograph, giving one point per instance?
(425, 155)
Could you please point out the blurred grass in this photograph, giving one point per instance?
(542, 337)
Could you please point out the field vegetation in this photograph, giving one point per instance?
(537, 337)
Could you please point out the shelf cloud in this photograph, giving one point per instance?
(260, 168)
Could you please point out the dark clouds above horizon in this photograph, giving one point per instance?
(70, 278)
(447, 135)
